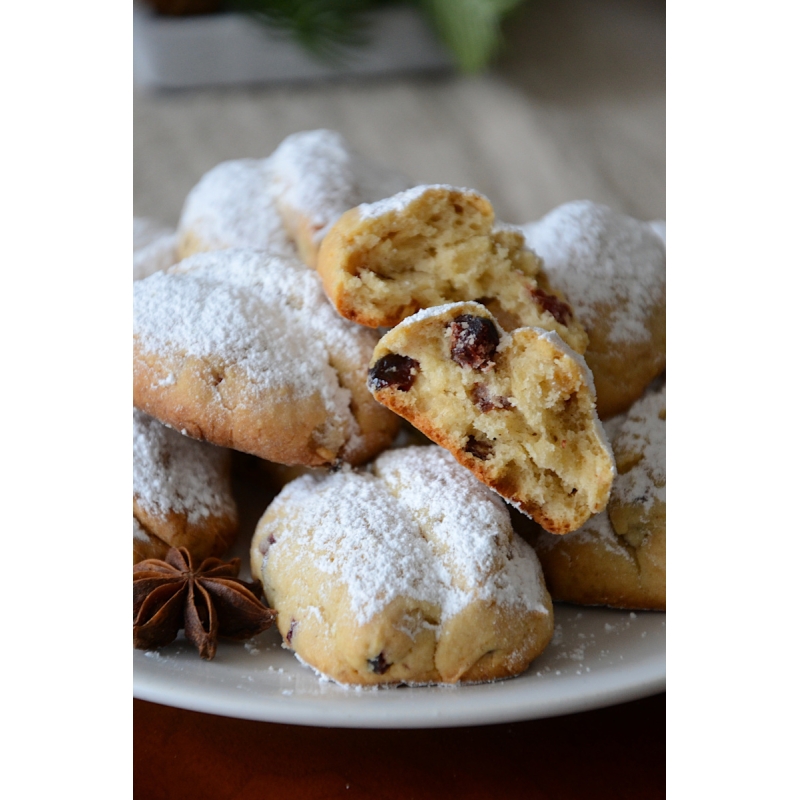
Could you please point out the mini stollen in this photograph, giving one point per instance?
(618, 558)
(181, 493)
(407, 572)
(612, 269)
(433, 245)
(283, 203)
(516, 409)
(242, 349)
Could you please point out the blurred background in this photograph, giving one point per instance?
(532, 102)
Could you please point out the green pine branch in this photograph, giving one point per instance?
(327, 29)
(324, 28)
(470, 28)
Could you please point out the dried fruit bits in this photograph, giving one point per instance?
(517, 409)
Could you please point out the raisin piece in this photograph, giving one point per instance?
(552, 305)
(395, 371)
(379, 664)
(481, 450)
(475, 341)
(486, 401)
(290, 632)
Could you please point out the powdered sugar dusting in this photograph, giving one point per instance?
(418, 526)
(263, 313)
(172, 473)
(607, 264)
(352, 528)
(399, 202)
(644, 432)
(232, 206)
(465, 523)
(317, 175)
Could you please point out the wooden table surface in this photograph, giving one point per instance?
(616, 752)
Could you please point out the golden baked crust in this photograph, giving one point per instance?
(517, 411)
(612, 269)
(597, 568)
(618, 558)
(406, 573)
(434, 245)
(241, 348)
(145, 545)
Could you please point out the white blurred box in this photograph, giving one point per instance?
(226, 49)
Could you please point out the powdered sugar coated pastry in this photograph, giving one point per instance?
(618, 558)
(317, 177)
(155, 247)
(612, 268)
(181, 493)
(233, 206)
(408, 572)
(517, 409)
(433, 245)
(241, 348)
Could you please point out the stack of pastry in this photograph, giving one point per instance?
(312, 300)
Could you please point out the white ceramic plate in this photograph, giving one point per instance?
(598, 657)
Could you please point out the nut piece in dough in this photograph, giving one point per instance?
(434, 245)
(406, 573)
(516, 409)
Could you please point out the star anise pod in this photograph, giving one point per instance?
(208, 601)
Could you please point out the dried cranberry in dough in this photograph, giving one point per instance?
(432, 245)
(519, 413)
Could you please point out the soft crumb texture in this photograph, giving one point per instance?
(408, 572)
(516, 409)
(242, 349)
(612, 268)
(618, 558)
(181, 493)
(233, 206)
(155, 247)
(317, 177)
(434, 245)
